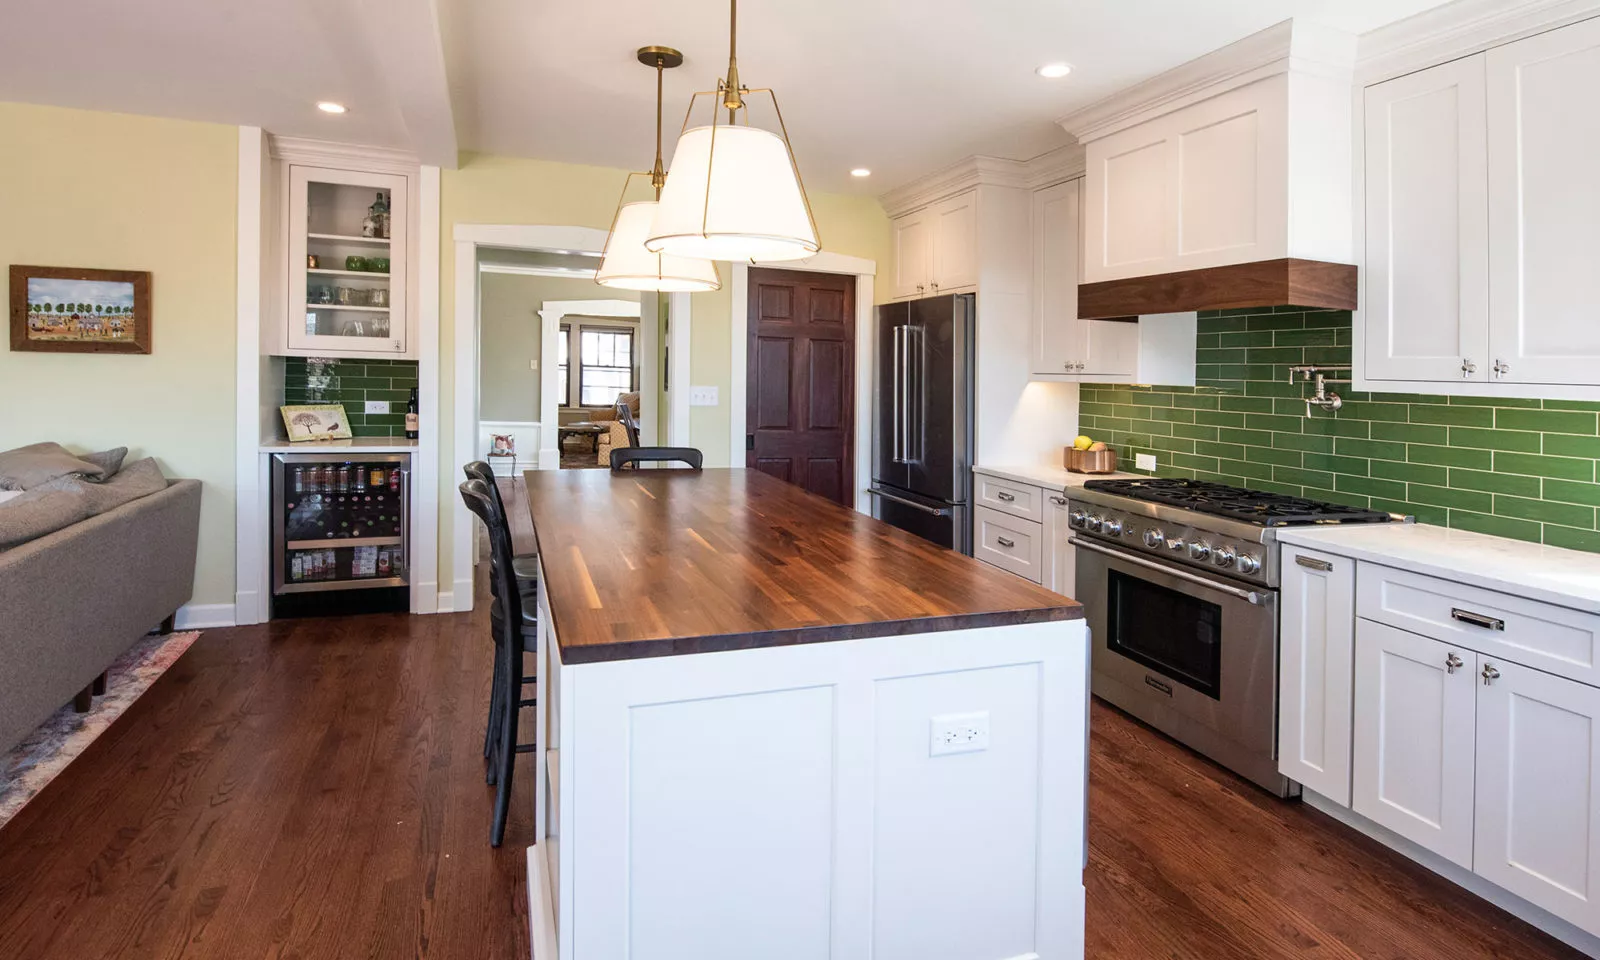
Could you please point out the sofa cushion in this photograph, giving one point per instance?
(108, 460)
(66, 500)
(39, 463)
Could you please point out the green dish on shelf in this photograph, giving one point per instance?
(354, 263)
(378, 264)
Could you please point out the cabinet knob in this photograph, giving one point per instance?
(1501, 368)
(1490, 674)
(1452, 663)
(1468, 368)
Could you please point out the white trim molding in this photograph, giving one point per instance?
(865, 272)
(425, 465)
(959, 177)
(203, 616)
(251, 508)
(327, 153)
(1458, 30)
(1298, 45)
(468, 237)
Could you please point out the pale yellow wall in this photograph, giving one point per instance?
(491, 189)
(100, 190)
(509, 332)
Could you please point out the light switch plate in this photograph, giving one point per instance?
(1144, 461)
(702, 396)
(377, 406)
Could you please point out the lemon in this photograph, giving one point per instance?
(1082, 443)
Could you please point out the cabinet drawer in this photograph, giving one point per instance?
(1008, 543)
(1540, 635)
(1017, 499)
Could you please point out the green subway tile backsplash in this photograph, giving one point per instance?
(1517, 468)
(353, 383)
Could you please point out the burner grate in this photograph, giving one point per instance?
(1236, 503)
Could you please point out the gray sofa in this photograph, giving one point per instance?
(72, 601)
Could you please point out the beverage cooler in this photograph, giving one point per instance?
(340, 533)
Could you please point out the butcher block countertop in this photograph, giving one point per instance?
(658, 563)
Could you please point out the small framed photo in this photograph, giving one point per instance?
(315, 421)
(72, 310)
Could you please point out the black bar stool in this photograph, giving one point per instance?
(620, 459)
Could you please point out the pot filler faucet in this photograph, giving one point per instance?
(1315, 374)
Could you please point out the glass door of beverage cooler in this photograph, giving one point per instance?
(340, 523)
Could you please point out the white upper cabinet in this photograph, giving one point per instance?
(1427, 227)
(936, 248)
(1538, 824)
(1252, 173)
(1544, 206)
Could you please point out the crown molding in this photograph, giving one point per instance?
(326, 153)
(1062, 163)
(1458, 30)
(1298, 46)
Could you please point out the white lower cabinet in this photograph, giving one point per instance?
(1317, 614)
(1412, 765)
(1004, 541)
(1060, 557)
(1538, 789)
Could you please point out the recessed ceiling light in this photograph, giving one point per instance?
(860, 172)
(1052, 71)
(328, 106)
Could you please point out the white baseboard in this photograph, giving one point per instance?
(1566, 932)
(463, 596)
(199, 616)
(425, 597)
(549, 458)
(248, 608)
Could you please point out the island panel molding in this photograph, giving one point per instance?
(668, 562)
(1264, 283)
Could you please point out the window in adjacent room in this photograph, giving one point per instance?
(605, 365)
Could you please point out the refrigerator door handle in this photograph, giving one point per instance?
(905, 395)
(915, 391)
(898, 390)
(935, 511)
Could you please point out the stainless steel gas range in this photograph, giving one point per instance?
(1179, 581)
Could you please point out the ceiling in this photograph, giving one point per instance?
(899, 88)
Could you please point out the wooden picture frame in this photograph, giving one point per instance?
(94, 311)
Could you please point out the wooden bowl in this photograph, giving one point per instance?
(1090, 461)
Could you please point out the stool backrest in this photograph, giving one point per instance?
(481, 501)
(478, 470)
(637, 455)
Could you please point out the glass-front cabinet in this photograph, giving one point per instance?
(347, 262)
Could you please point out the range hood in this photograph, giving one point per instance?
(1225, 182)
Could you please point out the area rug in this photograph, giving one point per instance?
(43, 754)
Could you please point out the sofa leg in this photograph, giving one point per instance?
(168, 625)
(84, 700)
(98, 688)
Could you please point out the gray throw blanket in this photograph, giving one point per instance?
(66, 500)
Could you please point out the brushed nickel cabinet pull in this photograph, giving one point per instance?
(1312, 563)
(1477, 619)
(1005, 541)
(1002, 495)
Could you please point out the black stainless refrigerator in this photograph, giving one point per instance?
(922, 429)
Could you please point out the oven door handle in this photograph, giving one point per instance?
(1249, 596)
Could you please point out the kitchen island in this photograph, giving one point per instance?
(772, 727)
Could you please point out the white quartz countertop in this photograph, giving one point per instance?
(1041, 475)
(1570, 578)
(356, 444)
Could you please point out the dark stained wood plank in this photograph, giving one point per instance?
(1265, 283)
(663, 562)
(1189, 862)
(310, 789)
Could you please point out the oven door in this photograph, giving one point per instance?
(1193, 655)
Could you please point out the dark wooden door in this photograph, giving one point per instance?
(800, 406)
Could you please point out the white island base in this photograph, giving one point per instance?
(791, 803)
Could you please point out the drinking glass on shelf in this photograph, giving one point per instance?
(319, 293)
(352, 297)
(378, 297)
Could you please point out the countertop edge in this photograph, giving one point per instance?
(1424, 562)
(827, 633)
(1048, 477)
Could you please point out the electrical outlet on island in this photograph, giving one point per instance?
(1144, 461)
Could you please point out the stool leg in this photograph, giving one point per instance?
(507, 753)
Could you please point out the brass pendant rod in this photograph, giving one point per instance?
(731, 94)
(658, 174)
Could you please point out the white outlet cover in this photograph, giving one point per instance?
(958, 733)
(1144, 461)
(702, 396)
(377, 406)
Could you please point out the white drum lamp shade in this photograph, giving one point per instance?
(744, 202)
(627, 265)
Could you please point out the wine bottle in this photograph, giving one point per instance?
(411, 416)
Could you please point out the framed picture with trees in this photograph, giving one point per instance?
(72, 310)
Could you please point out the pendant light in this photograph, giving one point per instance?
(734, 192)
(626, 264)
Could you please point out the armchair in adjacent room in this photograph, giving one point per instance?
(623, 424)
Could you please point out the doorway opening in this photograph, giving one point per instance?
(800, 410)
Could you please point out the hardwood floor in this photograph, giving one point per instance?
(314, 790)
(1188, 862)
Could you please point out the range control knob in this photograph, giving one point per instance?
(1175, 544)
(1222, 556)
(1199, 550)
(1078, 519)
(1153, 538)
(1247, 563)
(1096, 522)
(1112, 527)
